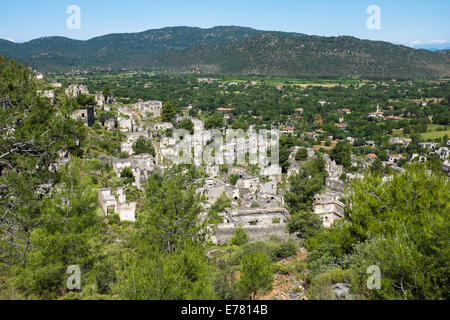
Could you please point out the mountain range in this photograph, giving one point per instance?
(232, 50)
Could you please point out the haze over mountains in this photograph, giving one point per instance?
(232, 50)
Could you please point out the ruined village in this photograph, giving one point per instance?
(257, 200)
(161, 186)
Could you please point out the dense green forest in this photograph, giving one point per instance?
(232, 50)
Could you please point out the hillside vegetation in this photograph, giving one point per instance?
(232, 50)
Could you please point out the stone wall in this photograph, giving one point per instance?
(260, 224)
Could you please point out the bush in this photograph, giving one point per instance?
(224, 286)
(273, 250)
(307, 224)
(256, 275)
(234, 179)
(240, 237)
(127, 175)
(104, 277)
(142, 146)
(285, 250)
(302, 154)
(321, 287)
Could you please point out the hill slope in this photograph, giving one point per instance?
(232, 50)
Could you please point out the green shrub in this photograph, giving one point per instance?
(234, 179)
(272, 250)
(240, 237)
(285, 250)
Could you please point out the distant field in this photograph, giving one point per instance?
(323, 146)
(295, 82)
(396, 132)
(327, 85)
(433, 134)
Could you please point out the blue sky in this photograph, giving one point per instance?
(402, 21)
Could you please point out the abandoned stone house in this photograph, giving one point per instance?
(395, 159)
(418, 158)
(142, 166)
(126, 124)
(273, 172)
(443, 153)
(110, 124)
(102, 101)
(334, 170)
(260, 224)
(150, 108)
(75, 90)
(329, 208)
(260, 200)
(125, 120)
(49, 94)
(250, 184)
(270, 187)
(335, 185)
(214, 188)
(84, 115)
(165, 154)
(127, 146)
(163, 126)
(446, 166)
(428, 145)
(112, 205)
(403, 141)
(248, 193)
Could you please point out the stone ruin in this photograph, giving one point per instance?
(248, 192)
(329, 208)
(334, 170)
(49, 94)
(260, 224)
(256, 206)
(152, 108)
(84, 115)
(126, 120)
(142, 166)
(110, 124)
(127, 146)
(75, 90)
(112, 205)
(102, 101)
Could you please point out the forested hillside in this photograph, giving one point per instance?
(232, 50)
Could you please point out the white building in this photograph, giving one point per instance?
(443, 153)
(395, 159)
(150, 108)
(329, 209)
(446, 166)
(109, 204)
(402, 141)
(75, 90)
